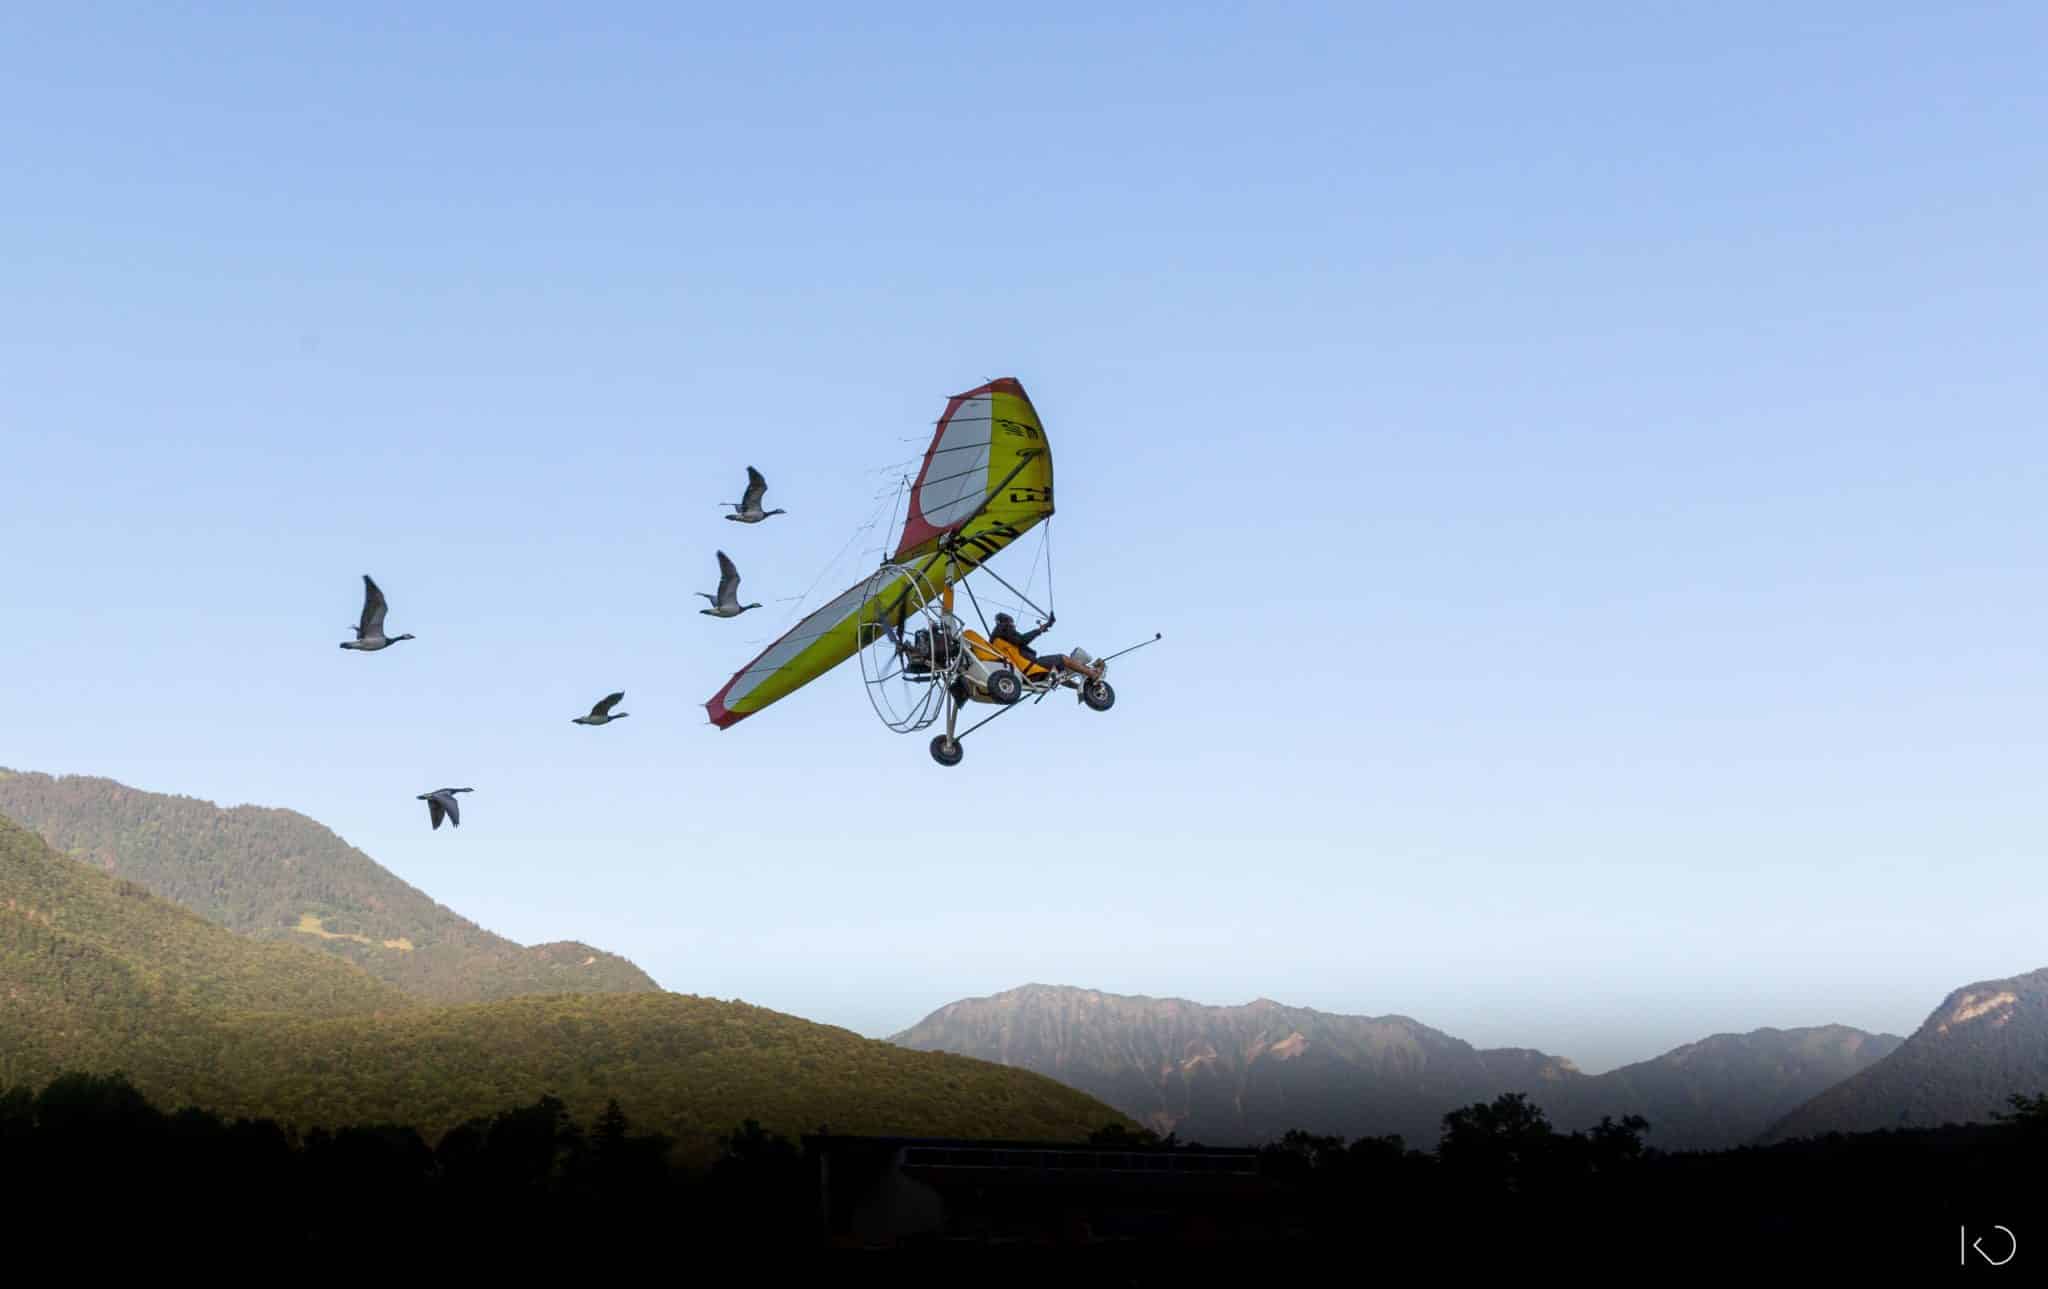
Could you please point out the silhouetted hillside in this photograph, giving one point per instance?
(1225, 1075)
(278, 875)
(685, 1066)
(1986, 1043)
(97, 975)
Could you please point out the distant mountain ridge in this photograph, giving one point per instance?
(1986, 1042)
(1726, 1089)
(1243, 1074)
(99, 975)
(278, 875)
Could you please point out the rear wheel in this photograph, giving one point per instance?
(1005, 687)
(1098, 695)
(947, 751)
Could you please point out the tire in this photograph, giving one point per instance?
(1005, 687)
(1098, 695)
(942, 755)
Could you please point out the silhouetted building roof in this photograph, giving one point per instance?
(889, 1190)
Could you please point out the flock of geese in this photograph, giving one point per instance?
(370, 635)
(726, 604)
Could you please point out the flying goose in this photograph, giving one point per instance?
(749, 511)
(727, 603)
(602, 713)
(370, 631)
(443, 802)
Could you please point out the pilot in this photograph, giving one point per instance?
(1006, 631)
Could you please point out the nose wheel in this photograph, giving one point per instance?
(947, 750)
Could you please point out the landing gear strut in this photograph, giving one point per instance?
(946, 749)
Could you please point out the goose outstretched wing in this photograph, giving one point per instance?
(757, 488)
(728, 580)
(373, 610)
(436, 808)
(606, 704)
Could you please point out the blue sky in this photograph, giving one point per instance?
(1586, 466)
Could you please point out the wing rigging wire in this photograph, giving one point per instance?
(866, 525)
(1043, 554)
(902, 490)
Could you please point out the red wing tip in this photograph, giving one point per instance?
(722, 716)
(1007, 384)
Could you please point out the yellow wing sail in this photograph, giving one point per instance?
(985, 481)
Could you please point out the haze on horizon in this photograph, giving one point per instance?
(1586, 468)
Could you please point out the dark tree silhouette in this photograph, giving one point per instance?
(1115, 1136)
(1507, 1144)
(87, 1159)
(2028, 1115)
(1615, 1145)
(762, 1185)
